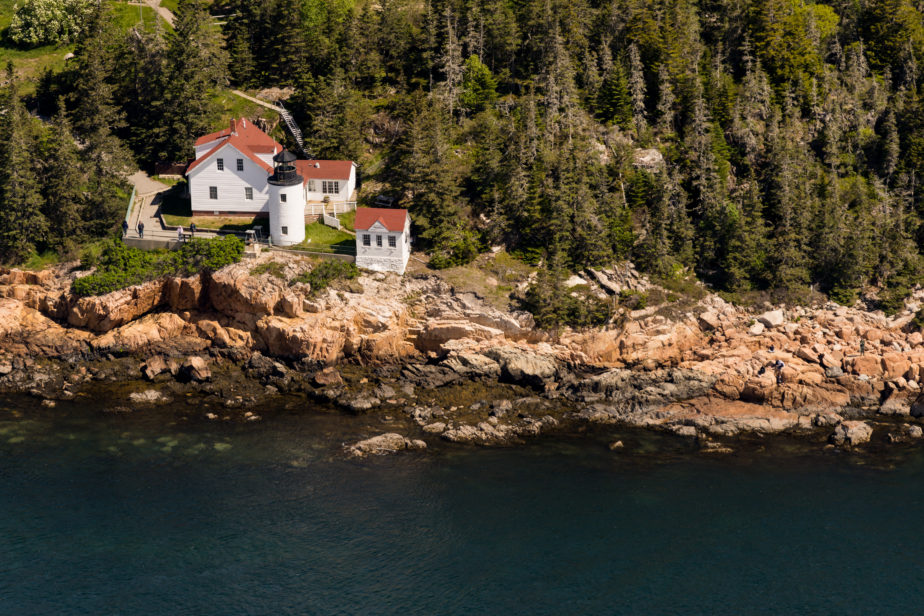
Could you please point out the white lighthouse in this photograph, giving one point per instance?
(286, 201)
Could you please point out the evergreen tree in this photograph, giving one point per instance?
(195, 63)
(22, 225)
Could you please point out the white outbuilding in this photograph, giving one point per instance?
(383, 239)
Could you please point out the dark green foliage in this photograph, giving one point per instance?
(326, 272)
(553, 305)
(479, 89)
(119, 266)
(792, 132)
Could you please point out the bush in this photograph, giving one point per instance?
(46, 22)
(552, 305)
(119, 266)
(326, 272)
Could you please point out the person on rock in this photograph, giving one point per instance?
(778, 367)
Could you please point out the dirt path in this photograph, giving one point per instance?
(258, 101)
(162, 11)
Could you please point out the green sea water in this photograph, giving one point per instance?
(143, 514)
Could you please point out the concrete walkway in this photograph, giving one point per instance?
(148, 197)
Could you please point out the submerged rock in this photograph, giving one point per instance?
(148, 396)
(390, 442)
(852, 433)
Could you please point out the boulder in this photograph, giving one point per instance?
(917, 407)
(438, 333)
(196, 369)
(709, 320)
(851, 433)
(473, 365)
(524, 367)
(649, 159)
(895, 404)
(773, 318)
(865, 364)
(756, 329)
(389, 442)
(327, 376)
(154, 366)
(895, 365)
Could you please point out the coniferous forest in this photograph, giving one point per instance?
(789, 133)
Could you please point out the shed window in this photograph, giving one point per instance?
(367, 240)
(240, 164)
(311, 187)
(378, 241)
(392, 241)
(213, 192)
(248, 193)
(330, 187)
(221, 164)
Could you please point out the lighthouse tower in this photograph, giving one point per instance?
(286, 201)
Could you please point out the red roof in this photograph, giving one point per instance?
(246, 139)
(324, 169)
(391, 219)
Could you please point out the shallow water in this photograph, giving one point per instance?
(131, 515)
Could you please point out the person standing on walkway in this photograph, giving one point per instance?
(192, 230)
(179, 233)
(141, 229)
(124, 228)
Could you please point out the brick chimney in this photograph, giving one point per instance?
(233, 126)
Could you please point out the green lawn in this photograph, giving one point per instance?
(321, 238)
(129, 15)
(347, 220)
(170, 5)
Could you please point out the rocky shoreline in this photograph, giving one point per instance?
(440, 364)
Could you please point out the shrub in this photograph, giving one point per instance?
(270, 267)
(119, 266)
(326, 272)
(45, 22)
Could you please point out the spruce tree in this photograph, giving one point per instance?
(195, 63)
(22, 224)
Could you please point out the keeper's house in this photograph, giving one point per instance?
(229, 175)
(383, 239)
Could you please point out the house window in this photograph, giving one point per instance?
(285, 230)
(311, 187)
(248, 193)
(392, 241)
(367, 240)
(378, 241)
(330, 187)
(240, 164)
(282, 197)
(221, 164)
(213, 192)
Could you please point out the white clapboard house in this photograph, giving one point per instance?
(232, 167)
(383, 239)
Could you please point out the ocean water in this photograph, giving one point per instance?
(133, 515)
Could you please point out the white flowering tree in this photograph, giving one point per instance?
(44, 22)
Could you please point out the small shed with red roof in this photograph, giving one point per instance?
(383, 239)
